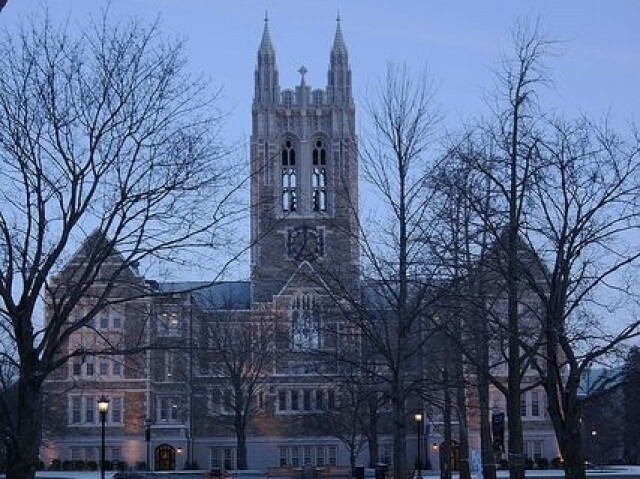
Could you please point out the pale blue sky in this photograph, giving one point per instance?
(596, 71)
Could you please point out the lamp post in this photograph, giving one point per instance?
(147, 438)
(418, 418)
(594, 437)
(103, 407)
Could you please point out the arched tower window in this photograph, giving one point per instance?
(305, 322)
(319, 177)
(289, 182)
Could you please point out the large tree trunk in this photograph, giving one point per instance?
(372, 436)
(486, 444)
(514, 423)
(399, 435)
(445, 455)
(571, 449)
(26, 438)
(463, 426)
(241, 444)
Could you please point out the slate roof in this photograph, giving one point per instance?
(224, 295)
(595, 381)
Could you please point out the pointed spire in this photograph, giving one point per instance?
(338, 41)
(265, 45)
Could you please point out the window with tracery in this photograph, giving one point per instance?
(319, 177)
(305, 322)
(289, 191)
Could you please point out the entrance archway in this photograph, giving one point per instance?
(165, 458)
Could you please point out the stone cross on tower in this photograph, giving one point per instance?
(302, 70)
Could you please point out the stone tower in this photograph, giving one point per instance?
(304, 176)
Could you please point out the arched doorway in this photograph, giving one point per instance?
(455, 455)
(165, 458)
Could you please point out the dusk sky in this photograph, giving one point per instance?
(596, 69)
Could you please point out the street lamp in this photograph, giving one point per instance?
(594, 435)
(103, 407)
(147, 438)
(418, 418)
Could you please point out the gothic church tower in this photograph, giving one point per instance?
(304, 176)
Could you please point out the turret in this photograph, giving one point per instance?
(339, 77)
(267, 88)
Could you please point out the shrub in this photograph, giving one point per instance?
(55, 465)
(556, 463)
(528, 463)
(40, 466)
(92, 465)
(542, 463)
(504, 464)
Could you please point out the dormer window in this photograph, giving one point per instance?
(289, 180)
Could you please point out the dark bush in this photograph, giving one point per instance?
(40, 466)
(528, 463)
(542, 463)
(141, 466)
(55, 465)
(92, 465)
(504, 464)
(556, 463)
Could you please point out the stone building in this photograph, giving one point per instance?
(190, 382)
(176, 393)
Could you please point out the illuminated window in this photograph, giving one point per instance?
(289, 181)
(319, 177)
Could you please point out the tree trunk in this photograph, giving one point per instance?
(463, 426)
(372, 436)
(486, 444)
(445, 455)
(399, 436)
(572, 454)
(26, 434)
(241, 454)
(514, 424)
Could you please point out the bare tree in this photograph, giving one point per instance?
(391, 316)
(106, 145)
(507, 163)
(562, 212)
(583, 224)
(240, 351)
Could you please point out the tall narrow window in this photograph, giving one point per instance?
(535, 404)
(319, 177)
(90, 405)
(116, 410)
(76, 414)
(289, 191)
